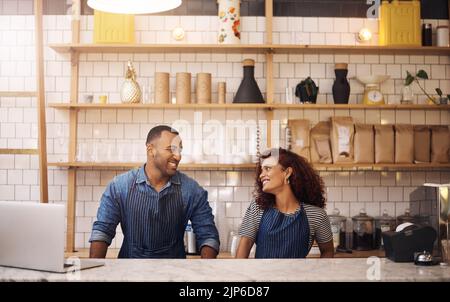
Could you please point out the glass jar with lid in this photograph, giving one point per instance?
(362, 231)
(338, 224)
(405, 218)
(383, 223)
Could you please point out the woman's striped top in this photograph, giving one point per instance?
(319, 223)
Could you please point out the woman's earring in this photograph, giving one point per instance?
(286, 181)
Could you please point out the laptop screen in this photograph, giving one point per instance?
(32, 235)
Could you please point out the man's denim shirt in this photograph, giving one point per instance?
(194, 196)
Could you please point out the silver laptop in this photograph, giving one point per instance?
(32, 237)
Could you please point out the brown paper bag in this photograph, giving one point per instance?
(342, 135)
(404, 144)
(440, 144)
(320, 143)
(299, 137)
(364, 145)
(422, 144)
(384, 144)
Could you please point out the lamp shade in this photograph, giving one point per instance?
(133, 7)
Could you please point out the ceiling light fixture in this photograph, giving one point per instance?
(133, 7)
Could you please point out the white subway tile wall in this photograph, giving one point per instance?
(103, 133)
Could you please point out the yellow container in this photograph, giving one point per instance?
(400, 23)
(113, 28)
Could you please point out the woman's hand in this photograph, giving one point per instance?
(326, 249)
(244, 247)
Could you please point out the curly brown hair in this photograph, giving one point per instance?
(305, 182)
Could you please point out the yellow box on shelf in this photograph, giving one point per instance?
(400, 23)
(113, 28)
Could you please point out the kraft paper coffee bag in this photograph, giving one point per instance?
(299, 137)
(320, 143)
(422, 144)
(404, 144)
(384, 144)
(440, 144)
(364, 145)
(342, 135)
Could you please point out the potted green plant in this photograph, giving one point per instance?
(307, 91)
(421, 74)
(442, 100)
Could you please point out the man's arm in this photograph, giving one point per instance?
(104, 229)
(208, 252)
(205, 230)
(98, 249)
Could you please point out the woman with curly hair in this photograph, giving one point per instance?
(287, 214)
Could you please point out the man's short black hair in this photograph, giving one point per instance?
(155, 132)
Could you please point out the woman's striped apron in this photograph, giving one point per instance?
(283, 236)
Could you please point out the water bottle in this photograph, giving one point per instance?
(191, 248)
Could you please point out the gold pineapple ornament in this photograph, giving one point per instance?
(131, 91)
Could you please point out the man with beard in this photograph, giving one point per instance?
(153, 205)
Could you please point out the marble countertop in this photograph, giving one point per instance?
(238, 270)
(113, 253)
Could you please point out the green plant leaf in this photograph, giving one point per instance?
(409, 79)
(439, 91)
(422, 74)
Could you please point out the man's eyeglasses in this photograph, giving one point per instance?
(174, 149)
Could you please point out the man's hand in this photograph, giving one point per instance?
(98, 249)
(208, 252)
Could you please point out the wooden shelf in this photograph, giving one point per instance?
(251, 166)
(369, 49)
(18, 93)
(359, 106)
(156, 106)
(378, 167)
(248, 166)
(19, 151)
(246, 106)
(158, 48)
(246, 48)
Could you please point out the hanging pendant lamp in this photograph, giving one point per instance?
(133, 7)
